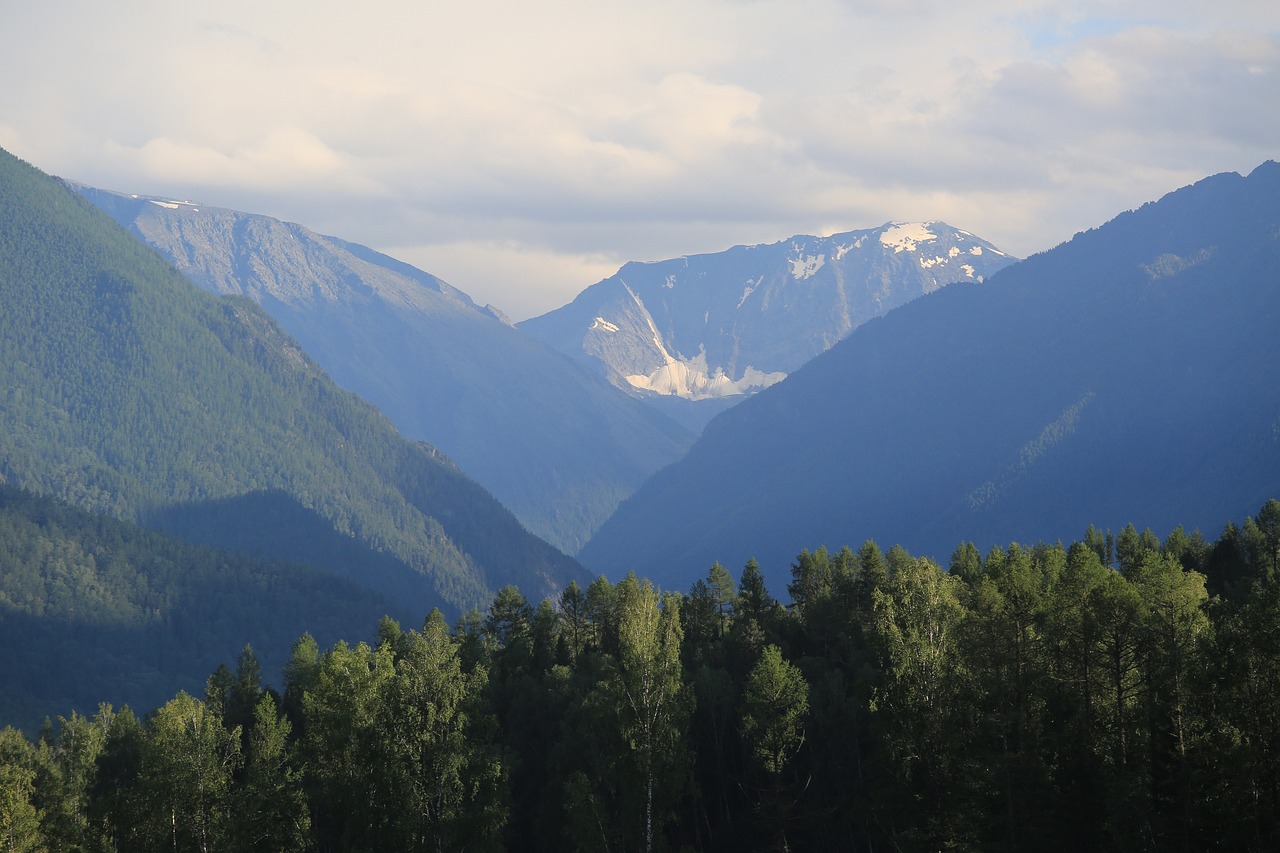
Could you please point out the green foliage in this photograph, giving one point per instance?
(126, 390)
(1038, 699)
(184, 782)
(776, 703)
(19, 819)
(108, 611)
(271, 806)
(441, 777)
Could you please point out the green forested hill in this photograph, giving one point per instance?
(95, 609)
(125, 389)
(1116, 694)
(557, 444)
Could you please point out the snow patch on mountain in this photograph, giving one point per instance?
(602, 324)
(805, 267)
(846, 248)
(173, 205)
(689, 378)
(905, 236)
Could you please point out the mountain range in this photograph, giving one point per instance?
(1124, 376)
(126, 390)
(553, 442)
(692, 335)
(909, 384)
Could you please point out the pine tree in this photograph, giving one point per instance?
(271, 806)
(775, 705)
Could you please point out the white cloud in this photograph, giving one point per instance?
(285, 159)
(494, 137)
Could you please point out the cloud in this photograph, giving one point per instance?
(285, 159)
(516, 145)
(520, 279)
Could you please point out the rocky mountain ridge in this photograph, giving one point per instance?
(127, 391)
(554, 442)
(1120, 377)
(712, 326)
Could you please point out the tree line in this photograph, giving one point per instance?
(1115, 694)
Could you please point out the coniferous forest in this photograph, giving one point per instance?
(1116, 694)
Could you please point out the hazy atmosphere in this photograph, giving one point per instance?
(522, 151)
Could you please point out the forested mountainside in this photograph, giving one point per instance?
(1111, 695)
(127, 390)
(1121, 375)
(94, 609)
(692, 334)
(557, 444)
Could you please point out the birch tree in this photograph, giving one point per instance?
(650, 695)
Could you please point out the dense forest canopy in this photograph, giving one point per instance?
(107, 611)
(1114, 694)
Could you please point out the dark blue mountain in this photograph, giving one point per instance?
(1125, 376)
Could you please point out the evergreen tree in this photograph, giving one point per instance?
(775, 705)
(271, 807)
(723, 595)
(754, 600)
(575, 621)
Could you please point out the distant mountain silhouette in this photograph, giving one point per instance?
(692, 335)
(1125, 376)
(125, 389)
(554, 442)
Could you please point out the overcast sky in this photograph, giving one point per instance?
(522, 151)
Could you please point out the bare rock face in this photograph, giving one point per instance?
(713, 326)
(554, 442)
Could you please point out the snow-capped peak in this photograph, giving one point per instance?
(905, 236)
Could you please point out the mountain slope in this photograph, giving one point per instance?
(1121, 377)
(125, 389)
(555, 443)
(708, 327)
(105, 611)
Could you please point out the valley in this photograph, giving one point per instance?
(226, 437)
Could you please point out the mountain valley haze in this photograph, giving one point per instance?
(713, 425)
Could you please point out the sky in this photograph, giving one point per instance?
(523, 151)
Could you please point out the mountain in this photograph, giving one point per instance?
(127, 390)
(709, 328)
(1124, 376)
(555, 443)
(106, 611)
